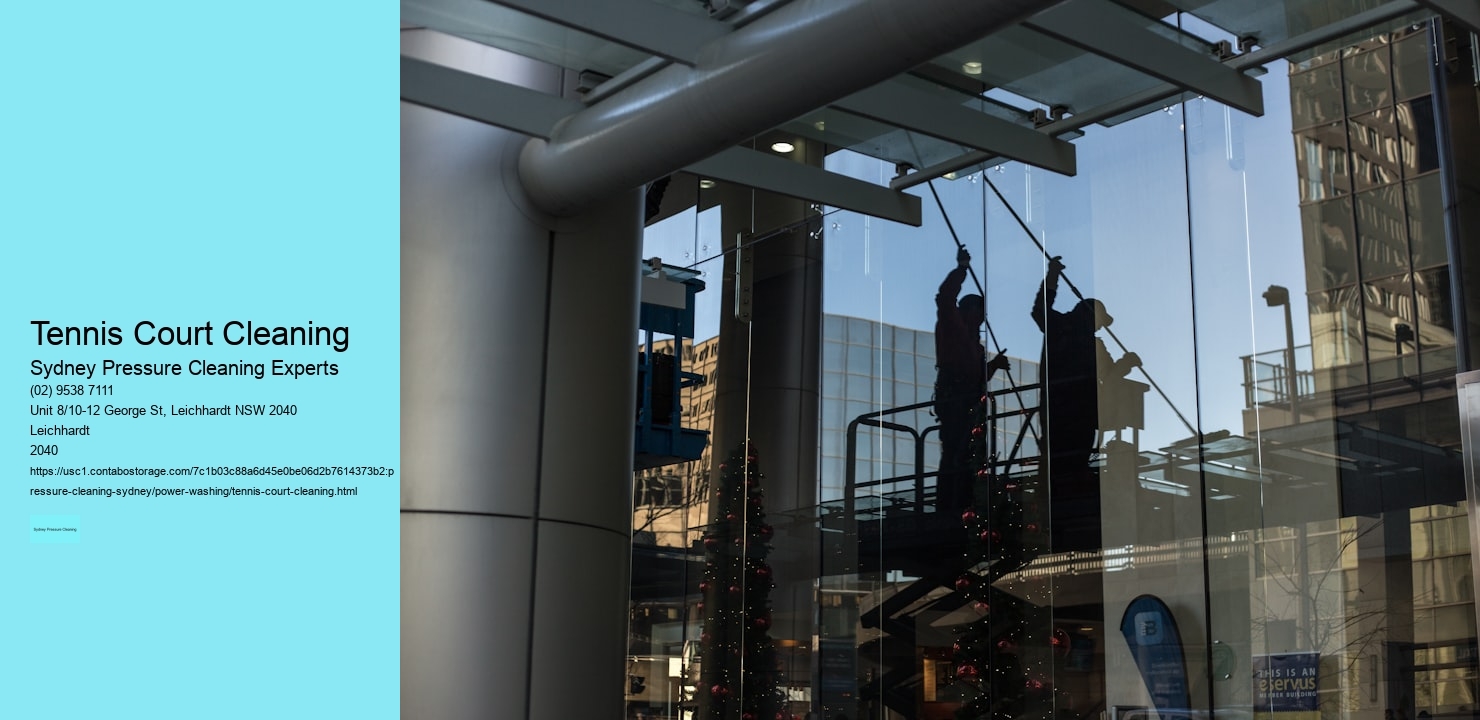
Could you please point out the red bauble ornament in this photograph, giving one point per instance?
(763, 571)
(981, 607)
(996, 536)
(1031, 527)
(704, 586)
(1004, 644)
(735, 589)
(955, 648)
(978, 431)
(719, 691)
(761, 623)
(767, 531)
(985, 535)
(1010, 487)
(730, 517)
(1034, 684)
(701, 605)
(751, 459)
(963, 583)
(984, 474)
(984, 399)
(747, 716)
(968, 516)
(704, 637)
(966, 672)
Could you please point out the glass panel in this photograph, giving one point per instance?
(1390, 328)
(1336, 338)
(1330, 243)
(1434, 306)
(1382, 234)
(1374, 147)
(1418, 145)
(1267, 476)
(1315, 95)
(1321, 159)
(1426, 220)
(1369, 80)
(517, 32)
(1275, 21)
(1411, 60)
(1040, 68)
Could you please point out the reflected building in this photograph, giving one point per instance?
(866, 366)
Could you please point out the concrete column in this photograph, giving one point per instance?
(518, 362)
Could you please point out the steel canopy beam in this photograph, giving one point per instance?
(483, 99)
(898, 104)
(1313, 38)
(777, 174)
(1115, 33)
(804, 54)
(534, 113)
(641, 24)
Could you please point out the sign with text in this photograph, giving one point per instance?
(1286, 682)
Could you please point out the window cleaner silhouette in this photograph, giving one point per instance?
(961, 380)
(1073, 363)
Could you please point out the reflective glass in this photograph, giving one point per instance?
(1374, 149)
(1321, 160)
(1426, 220)
(1316, 95)
(1411, 61)
(1434, 307)
(1240, 425)
(1390, 328)
(1418, 145)
(1382, 234)
(1368, 80)
(1330, 243)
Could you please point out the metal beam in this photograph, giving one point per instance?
(1120, 35)
(776, 174)
(1276, 51)
(804, 54)
(534, 113)
(898, 104)
(1465, 13)
(483, 99)
(642, 24)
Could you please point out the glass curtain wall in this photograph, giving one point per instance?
(1168, 438)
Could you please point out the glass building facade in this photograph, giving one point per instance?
(1279, 470)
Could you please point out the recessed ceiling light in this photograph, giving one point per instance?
(971, 68)
(949, 176)
(820, 124)
(783, 147)
(705, 184)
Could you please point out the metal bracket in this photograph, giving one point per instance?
(744, 276)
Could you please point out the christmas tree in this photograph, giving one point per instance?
(1000, 680)
(739, 676)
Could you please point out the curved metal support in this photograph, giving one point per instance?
(802, 56)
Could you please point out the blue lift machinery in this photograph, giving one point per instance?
(668, 309)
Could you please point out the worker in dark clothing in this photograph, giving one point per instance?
(961, 381)
(1073, 362)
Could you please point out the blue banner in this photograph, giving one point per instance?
(1156, 645)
